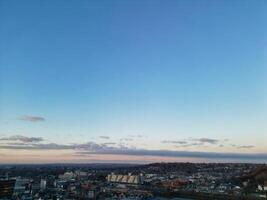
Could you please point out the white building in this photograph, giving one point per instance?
(263, 187)
(129, 179)
(67, 176)
(43, 184)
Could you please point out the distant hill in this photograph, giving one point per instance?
(258, 175)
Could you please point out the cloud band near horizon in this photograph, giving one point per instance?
(93, 148)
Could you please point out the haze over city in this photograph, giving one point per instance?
(133, 81)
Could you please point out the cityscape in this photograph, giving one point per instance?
(133, 99)
(156, 181)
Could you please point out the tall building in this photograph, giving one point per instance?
(43, 184)
(21, 185)
(6, 188)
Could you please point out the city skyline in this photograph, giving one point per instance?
(133, 81)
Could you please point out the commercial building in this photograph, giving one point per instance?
(6, 188)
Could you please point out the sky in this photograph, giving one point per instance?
(133, 81)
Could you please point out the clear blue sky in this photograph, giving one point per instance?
(166, 70)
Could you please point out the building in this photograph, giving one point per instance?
(67, 176)
(6, 188)
(172, 184)
(263, 187)
(43, 184)
(21, 185)
(128, 179)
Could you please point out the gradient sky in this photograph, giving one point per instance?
(132, 79)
